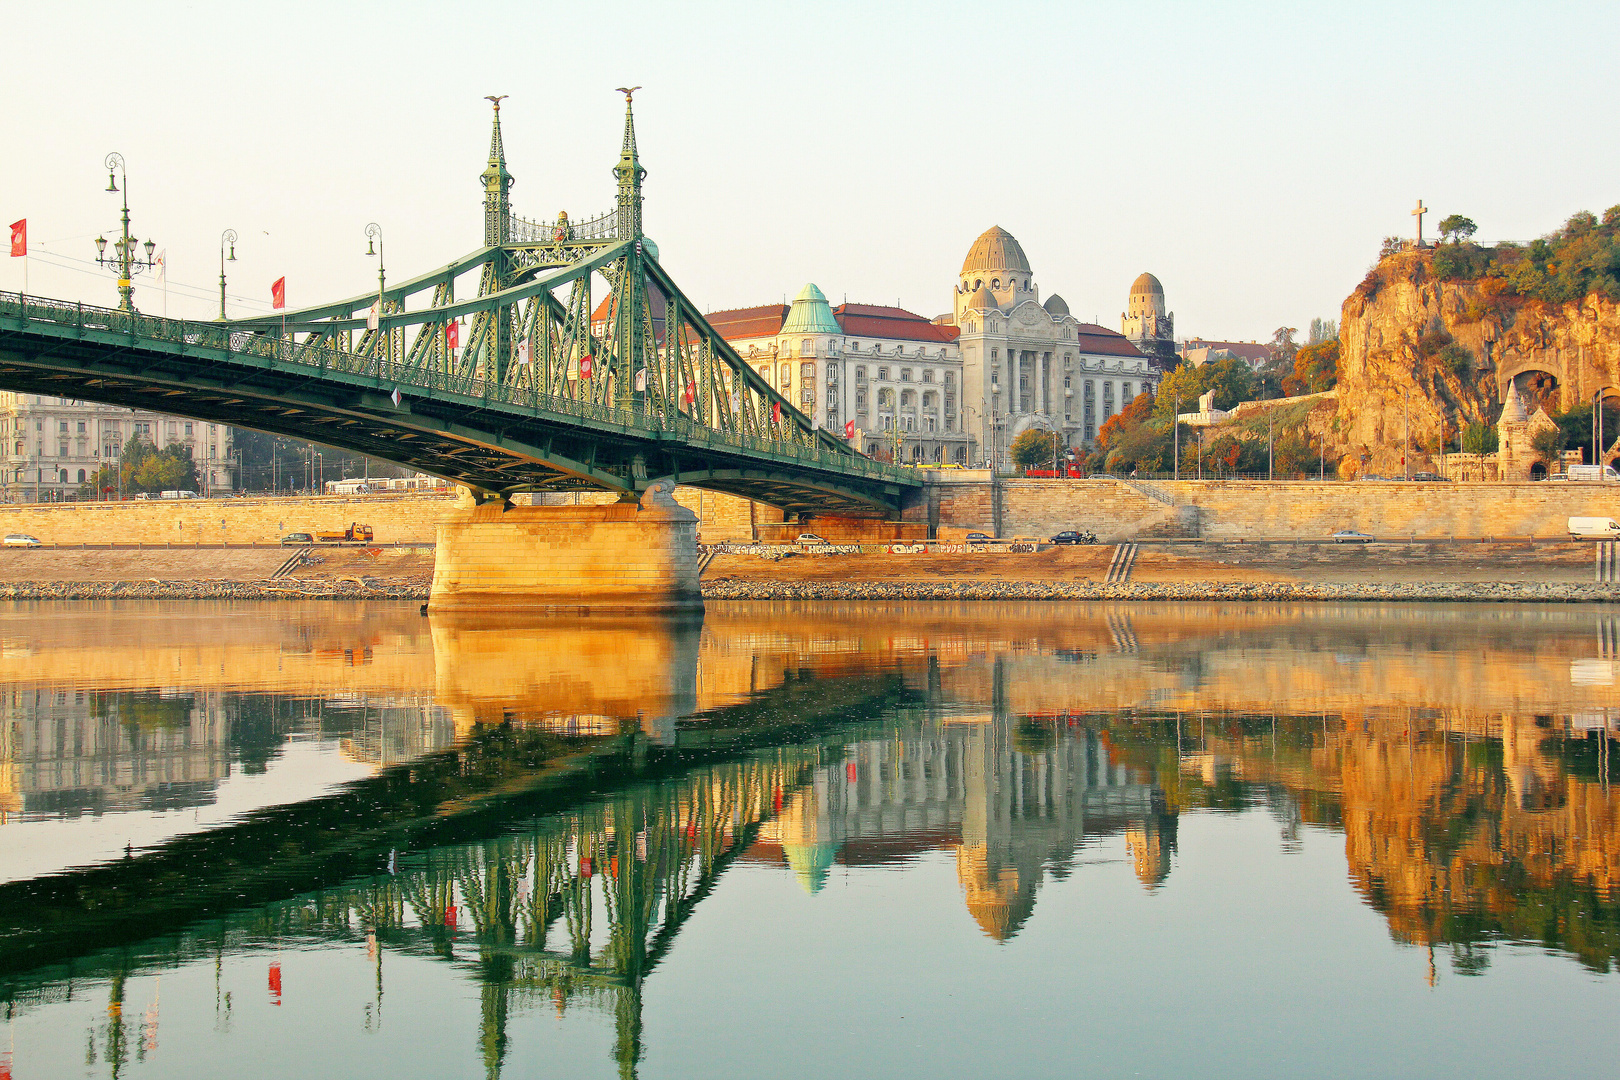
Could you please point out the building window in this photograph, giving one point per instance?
(81, 427)
(61, 427)
(807, 371)
(885, 398)
(995, 354)
(807, 397)
(81, 476)
(883, 374)
(908, 399)
(928, 375)
(950, 378)
(807, 348)
(860, 371)
(61, 450)
(930, 400)
(188, 431)
(905, 374)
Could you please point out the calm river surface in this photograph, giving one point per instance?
(856, 840)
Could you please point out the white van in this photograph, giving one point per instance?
(1593, 472)
(1594, 528)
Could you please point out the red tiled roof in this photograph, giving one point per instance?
(1105, 342)
(752, 322)
(1249, 350)
(867, 320)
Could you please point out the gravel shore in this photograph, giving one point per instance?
(1431, 592)
(725, 589)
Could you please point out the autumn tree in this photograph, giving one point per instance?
(1231, 378)
(1036, 449)
(1137, 412)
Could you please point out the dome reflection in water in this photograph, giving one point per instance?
(329, 840)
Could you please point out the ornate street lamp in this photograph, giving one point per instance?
(124, 261)
(228, 237)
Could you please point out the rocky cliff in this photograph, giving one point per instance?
(1447, 350)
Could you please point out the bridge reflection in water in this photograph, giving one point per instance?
(602, 776)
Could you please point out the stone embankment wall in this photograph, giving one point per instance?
(1113, 509)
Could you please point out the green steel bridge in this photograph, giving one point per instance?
(577, 363)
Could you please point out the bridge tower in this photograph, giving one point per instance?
(497, 273)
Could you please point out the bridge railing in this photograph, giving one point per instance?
(389, 375)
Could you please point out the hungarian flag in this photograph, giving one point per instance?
(452, 334)
(523, 352)
(19, 238)
(849, 429)
(641, 380)
(585, 366)
(161, 263)
(776, 412)
(690, 394)
(278, 293)
(373, 315)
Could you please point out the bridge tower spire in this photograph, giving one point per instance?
(497, 186)
(629, 173)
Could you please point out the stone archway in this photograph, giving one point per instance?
(1538, 471)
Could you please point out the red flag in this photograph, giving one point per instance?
(585, 366)
(275, 983)
(19, 238)
(278, 293)
(776, 412)
(452, 334)
(849, 771)
(690, 394)
(450, 915)
(585, 867)
(849, 429)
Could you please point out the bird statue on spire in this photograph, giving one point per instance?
(498, 98)
(629, 93)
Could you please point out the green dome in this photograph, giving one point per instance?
(810, 314)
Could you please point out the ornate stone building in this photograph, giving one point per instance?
(51, 447)
(891, 373)
(1147, 325)
(1028, 364)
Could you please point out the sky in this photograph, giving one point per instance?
(1252, 156)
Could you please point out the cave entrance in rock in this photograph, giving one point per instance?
(1539, 389)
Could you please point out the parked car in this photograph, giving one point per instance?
(979, 538)
(20, 540)
(1372, 476)
(298, 538)
(1580, 528)
(1350, 536)
(1070, 536)
(809, 538)
(1429, 477)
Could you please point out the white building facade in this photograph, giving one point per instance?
(53, 446)
(1028, 364)
(892, 374)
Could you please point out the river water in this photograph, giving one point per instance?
(862, 840)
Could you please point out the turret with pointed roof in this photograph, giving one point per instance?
(497, 186)
(629, 173)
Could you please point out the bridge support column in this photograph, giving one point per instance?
(638, 557)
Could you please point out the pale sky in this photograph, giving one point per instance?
(1252, 156)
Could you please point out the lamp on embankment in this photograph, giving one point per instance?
(124, 260)
(226, 237)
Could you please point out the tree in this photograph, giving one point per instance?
(1549, 443)
(1479, 438)
(144, 468)
(1316, 368)
(1034, 449)
(1323, 330)
(1230, 377)
(1457, 228)
(1283, 347)
(1137, 412)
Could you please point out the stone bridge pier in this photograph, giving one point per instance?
(619, 557)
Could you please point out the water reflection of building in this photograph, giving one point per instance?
(1012, 799)
(69, 751)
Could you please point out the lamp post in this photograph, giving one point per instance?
(374, 246)
(1175, 450)
(124, 261)
(226, 237)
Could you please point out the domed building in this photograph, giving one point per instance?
(1028, 364)
(1147, 324)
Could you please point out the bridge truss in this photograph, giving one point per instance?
(576, 363)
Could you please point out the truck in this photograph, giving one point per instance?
(1593, 472)
(356, 533)
(1594, 528)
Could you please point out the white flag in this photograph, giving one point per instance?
(641, 379)
(162, 269)
(373, 313)
(523, 352)
(395, 397)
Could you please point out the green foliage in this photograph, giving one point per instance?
(1323, 330)
(1456, 227)
(1457, 359)
(144, 468)
(1576, 428)
(1230, 377)
(1479, 438)
(1549, 443)
(1034, 449)
(1283, 347)
(1146, 447)
(1580, 258)
(1316, 368)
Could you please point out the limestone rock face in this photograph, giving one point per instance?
(1558, 354)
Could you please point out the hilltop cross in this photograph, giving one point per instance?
(1418, 213)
